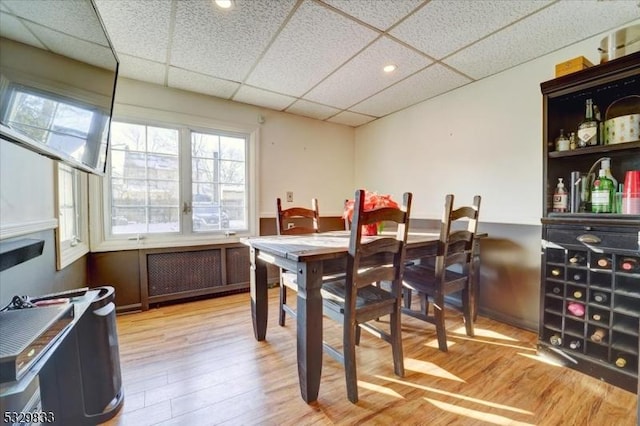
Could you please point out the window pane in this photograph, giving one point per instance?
(145, 172)
(219, 175)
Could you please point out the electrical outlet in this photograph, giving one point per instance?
(291, 225)
(289, 196)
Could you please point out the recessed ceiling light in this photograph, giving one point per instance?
(389, 68)
(224, 4)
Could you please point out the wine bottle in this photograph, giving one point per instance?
(556, 290)
(556, 272)
(576, 309)
(575, 344)
(600, 297)
(555, 340)
(604, 262)
(600, 317)
(630, 264)
(577, 294)
(577, 277)
(621, 361)
(577, 259)
(588, 128)
(602, 192)
(598, 335)
(560, 198)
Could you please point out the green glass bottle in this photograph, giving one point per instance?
(602, 192)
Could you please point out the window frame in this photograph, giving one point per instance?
(68, 251)
(99, 189)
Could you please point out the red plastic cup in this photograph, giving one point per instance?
(631, 194)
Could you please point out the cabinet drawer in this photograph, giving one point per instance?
(596, 240)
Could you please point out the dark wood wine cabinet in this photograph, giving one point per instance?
(590, 276)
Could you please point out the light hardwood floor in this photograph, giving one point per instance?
(198, 363)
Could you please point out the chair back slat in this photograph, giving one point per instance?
(456, 245)
(284, 217)
(374, 259)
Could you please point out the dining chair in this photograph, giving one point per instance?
(293, 221)
(355, 301)
(450, 273)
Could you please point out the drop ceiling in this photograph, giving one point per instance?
(323, 58)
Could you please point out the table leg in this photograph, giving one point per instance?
(309, 322)
(259, 300)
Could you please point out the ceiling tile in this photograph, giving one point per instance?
(55, 14)
(435, 80)
(75, 48)
(200, 83)
(264, 98)
(349, 118)
(209, 40)
(138, 28)
(381, 14)
(504, 49)
(12, 28)
(444, 26)
(142, 69)
(314, 42)
(363, 76)
(311, 109)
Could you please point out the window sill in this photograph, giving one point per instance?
(208, 240)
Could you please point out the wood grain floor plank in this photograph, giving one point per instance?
(198, 363)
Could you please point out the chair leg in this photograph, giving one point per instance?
(396, 343)
(467, 308)
(283, 301)
(424, 304)
(349, 352)
(406, 297)
(438, 310)
(358, 333)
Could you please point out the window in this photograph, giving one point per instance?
(71, 209)
(173, 183)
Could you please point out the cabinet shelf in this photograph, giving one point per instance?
(600, 149)
(563, 235)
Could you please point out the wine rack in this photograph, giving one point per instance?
(591, 300)
(590, 273)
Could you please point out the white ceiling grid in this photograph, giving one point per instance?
(323, 58)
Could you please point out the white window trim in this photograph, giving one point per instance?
(98, 186)
(66, 252)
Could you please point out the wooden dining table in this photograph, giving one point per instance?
(312, 256)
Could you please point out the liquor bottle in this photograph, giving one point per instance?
(577, 259)
(602, 192)
(556, 272)
(598, 335)
(600, 297)
(606, 165)
(621, 361)
(577, 277)
(556, 290)
(577, 294)
(630, 264)
(576, 309)
(555, 340)
(560, 198)
(604, 263)
(575, 344)
(588, 129)
(562, 142)
(599, 316)
(573, 141)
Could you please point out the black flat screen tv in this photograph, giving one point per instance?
(58, 75)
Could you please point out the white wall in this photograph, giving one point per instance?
(484, 138)
(302, 155)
